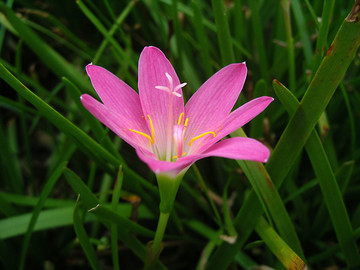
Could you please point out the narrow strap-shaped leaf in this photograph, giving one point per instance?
(267, 190)
(50, 57)
(84, 142)
(13, 175)
(114, 227)
(328, 184)
(223, 31)
(106, 33)
(92, 204)
(84, 239)
(279, 247)
(35, 214)
(317, 96)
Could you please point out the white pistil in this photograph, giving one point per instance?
(171, 89)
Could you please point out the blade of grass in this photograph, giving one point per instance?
(223, 30)
(303, 32)
(106, 215)
(321, 41)
(106, 34)
(299, 128)
(278, 246)
(37, 209)
(102, 212)
(115, 26)
(114, 227)
(351, 120)
(259, 39)
(328, 184)
(285, 4)
(86, 143)
(255, 173)
(48, 219)
(84, 239)
(49, 56)
(202, 39)
(9, 3)
(10, 163)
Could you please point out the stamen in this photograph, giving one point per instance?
(143, 134)
(202, 135)
(179, 121)
(152, 129)
(152, 138)
(177, 156)
(186, 121)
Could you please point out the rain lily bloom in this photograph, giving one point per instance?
(167, 135)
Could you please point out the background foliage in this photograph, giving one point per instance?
(302, 206)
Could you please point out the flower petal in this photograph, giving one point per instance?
(163, 107)
(212, 103)
(160, 166)
(243, 115)
(118, 123)
(232, 122)
(113, 92)
(239, 148)
(234, 148)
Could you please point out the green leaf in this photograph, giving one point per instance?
(84, 239)
(278, 246)
(44, 195)
(102, 212)
(328, 184)
(50, 57)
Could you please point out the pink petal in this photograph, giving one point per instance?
(243, 115)
(239, 148)
(114, 93)
(233, 148)
(163, 107)
(118, 123)
(160, 166)
(214, 100)
(232, 122)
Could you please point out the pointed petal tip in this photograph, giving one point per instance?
(149, 49)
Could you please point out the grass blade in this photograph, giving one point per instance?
(328, 184)
(278, 246)
(84, 239)
(35, 214)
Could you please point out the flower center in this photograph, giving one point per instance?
(175, 133)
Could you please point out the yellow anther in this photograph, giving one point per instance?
(152, 130)
(202, 135)
(143, 134)
(186, 121)
(152, 138)
(179, 121)
(177, 156)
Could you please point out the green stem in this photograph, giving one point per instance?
(160, 230)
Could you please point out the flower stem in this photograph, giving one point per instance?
(160, 230)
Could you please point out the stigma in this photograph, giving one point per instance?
(171, 89)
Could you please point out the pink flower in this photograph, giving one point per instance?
(167, 135)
